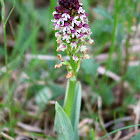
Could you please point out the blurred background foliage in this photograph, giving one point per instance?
(35, 84)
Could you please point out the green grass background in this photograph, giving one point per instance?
(31, 31)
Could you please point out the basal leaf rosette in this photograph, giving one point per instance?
(72, 33)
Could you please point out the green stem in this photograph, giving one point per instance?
(114, 35)
(69, 97)
(6, 63)
(113, 38)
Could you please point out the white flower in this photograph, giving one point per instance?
(62, 47)
(84, 30)
(58, 35)
(67, 38)
(73, 45)
(60, 22)
(81, 10)
(78, 35)
(83, 48)
(78, 31)
(75, 21)
(75, 18)
(54, 13)
(82, 17)
(54, 20)
(67, 29)
(65, 16)
(75, 58)
(57, 27)
(73, 35)
(89, 32)
(84, 21)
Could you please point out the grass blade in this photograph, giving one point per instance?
(115, 131)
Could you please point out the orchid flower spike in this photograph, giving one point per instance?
(72, 33)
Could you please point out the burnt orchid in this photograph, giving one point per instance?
(72, 33)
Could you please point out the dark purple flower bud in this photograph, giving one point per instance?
(71, 18)
(86, 14)
(86, 25)
(80, 25)
(81, 34)
(61, 2)
(76, 2)
(71, 5)
(76, 8)
(59, 9)
(67, 11)
(68, 4)
(57, 16)
(86, 34)
(66, 24)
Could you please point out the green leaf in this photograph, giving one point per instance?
(63, 124)
(137, 137)
(42, 97)
(92, 135)
(89, 66)
(76, 110)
